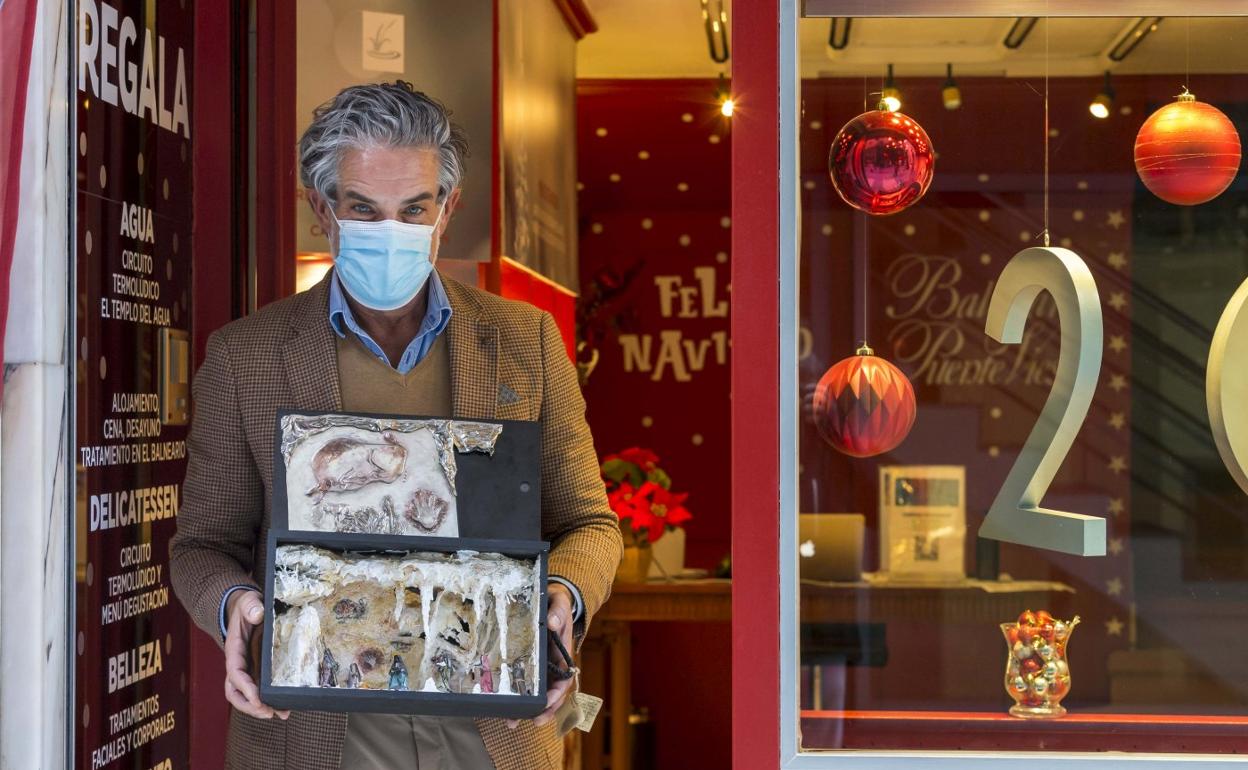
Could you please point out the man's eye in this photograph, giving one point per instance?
(415, 211)
(361, 208)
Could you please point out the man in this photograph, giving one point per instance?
(382, 333)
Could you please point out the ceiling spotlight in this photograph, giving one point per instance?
(890, 97)
(723, 96)
(950, 93)
(1101, 103)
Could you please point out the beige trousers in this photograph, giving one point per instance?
(401, 742)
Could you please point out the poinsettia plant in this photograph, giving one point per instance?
(640, 493)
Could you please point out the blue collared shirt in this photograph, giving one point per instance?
(437, 316)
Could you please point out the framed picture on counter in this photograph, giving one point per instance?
(923, 522)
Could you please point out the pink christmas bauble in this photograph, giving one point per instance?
(881, 162)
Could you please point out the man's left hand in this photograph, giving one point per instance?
(559, 620)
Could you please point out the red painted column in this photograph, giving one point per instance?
(755, 386)
(17, 31)
(215, 195)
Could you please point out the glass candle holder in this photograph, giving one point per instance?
(1037, 675)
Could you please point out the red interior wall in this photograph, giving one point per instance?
(654, 204)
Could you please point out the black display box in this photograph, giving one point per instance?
(342, 699)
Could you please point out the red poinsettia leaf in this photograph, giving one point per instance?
(650, 491)
(657, 528)
(642, 457)
(677, 516)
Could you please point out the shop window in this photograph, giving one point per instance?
(910, 547)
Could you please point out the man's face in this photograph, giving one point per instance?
(377, 183)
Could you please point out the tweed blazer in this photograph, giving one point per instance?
(284, 356)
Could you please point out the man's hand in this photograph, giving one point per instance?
(559, 620)
(245, 611)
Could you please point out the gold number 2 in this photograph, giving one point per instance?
(1226, 386)
(1016, 515)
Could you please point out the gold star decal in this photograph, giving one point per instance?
(1117, 382)
(1113, 626)
(1116, 506)
(1117, 464)
(1115, 545)
(1114, 587)
(1116, 219)
(1117, 420)
(1117, 300)
(1117, 343)
(1117, 260)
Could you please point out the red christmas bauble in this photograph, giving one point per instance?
(881, 162)
(1187, 152)
(864, 406)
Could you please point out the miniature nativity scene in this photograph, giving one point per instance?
(454, 623)
(376, 603)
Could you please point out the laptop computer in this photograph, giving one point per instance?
(829, 546)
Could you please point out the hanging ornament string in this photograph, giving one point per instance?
(866, 272)
(1187, 57)
(866, 225)
(1047, 23)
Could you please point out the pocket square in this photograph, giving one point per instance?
(508, 396)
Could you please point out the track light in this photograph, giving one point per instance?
(890, 97)
(1101, 103)
(950, 93)
(716, 23)
(1140, 29)
(723, 96)
(838, 33)
(1019, 31)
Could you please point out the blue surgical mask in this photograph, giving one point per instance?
(383, 265)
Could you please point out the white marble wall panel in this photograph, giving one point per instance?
(35, 621)
(38, 280)
(35, 617)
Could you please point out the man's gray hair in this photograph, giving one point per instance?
(382, 114)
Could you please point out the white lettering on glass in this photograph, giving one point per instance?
(109, 67)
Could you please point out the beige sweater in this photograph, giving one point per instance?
(369, 384)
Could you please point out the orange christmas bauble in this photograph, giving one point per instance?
(864, 405)
(1187, 152)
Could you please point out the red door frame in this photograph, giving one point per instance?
(755, 375)
(221, 170)
(275, 181)
(215, 270)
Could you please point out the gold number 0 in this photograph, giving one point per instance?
(1016, 516)
(1226, 386)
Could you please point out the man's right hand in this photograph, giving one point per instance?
(245, 611)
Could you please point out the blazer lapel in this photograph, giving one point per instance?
(311, 357)
(473, 345)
